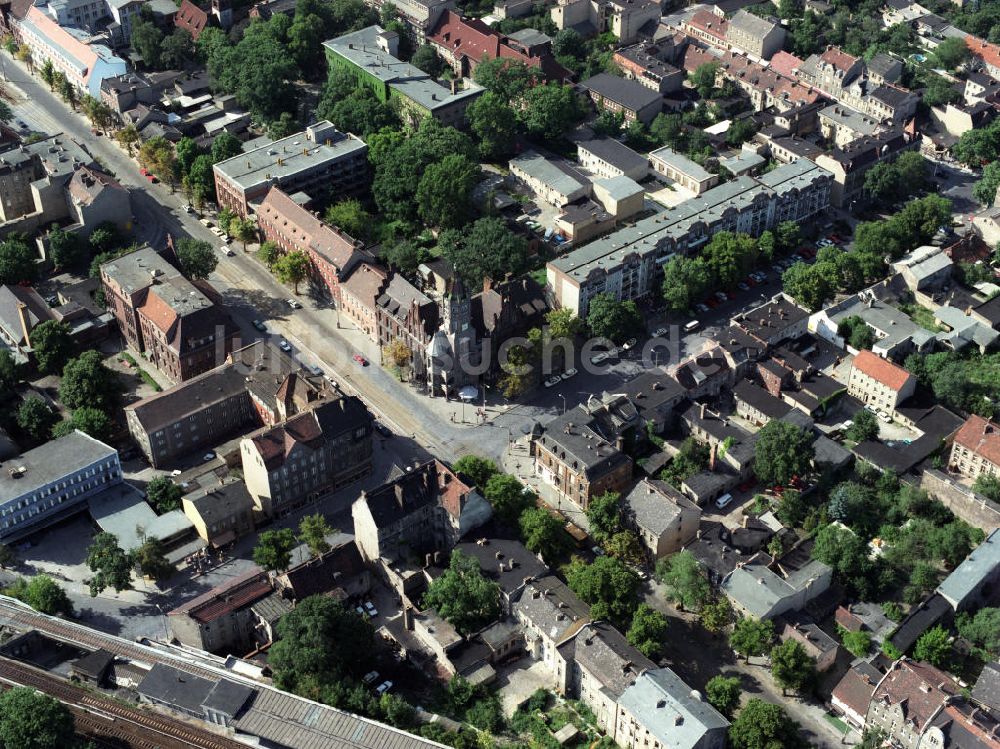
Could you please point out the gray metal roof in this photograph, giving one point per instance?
(553, 174)
(630, 94)
(604, 652)
(748, 23)
(615, 153)
(673, 712)
(681, 163)
(655, 505)
(981, 564)
(51, 462)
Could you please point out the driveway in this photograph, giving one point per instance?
(517, 681)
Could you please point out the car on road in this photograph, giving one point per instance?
(884, 417)
(315, 369)
(206, 223)
(742, 286)
(359, 611)
(22, 124)
(721, 296)
(294, 303)
(600, 357)
(383, 429)
(723, 501)
(284, 345)
(777, 268)
(660, 332)
(629, 344)
(226, 251)
(189, 208)
(360, 360)
(568, 373)
(208, 456)
(691, 326)
(370, 678)
(870, 407)
(370, 608)
(152, 178)
(703, 308)
(260, 325)
(176, 472)
(552, 381)
(384, 687)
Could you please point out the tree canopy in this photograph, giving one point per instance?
(87, 382)
(752, 637)
(782, 451)
(163, 494)
(111, 565)
(685, 580)
(723, 693)
(273, 551)
(613, 319)
(198, 258)
(32, 720)
(485, 249)
(762, 725)
(36, 418)
(791, 666)
(463, 596)
(648, 631)
(611, 588)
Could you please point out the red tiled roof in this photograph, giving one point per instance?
(191, 18)
(981, 437)
(838, 58)
(785, 63)
(365, 284)
(880, 369)
(984, 50)
(475, 40)
(158, 312)
(57, 35)
(227, 598)
(855, 690)
(918, 687)
(306, 230)
(709, 23)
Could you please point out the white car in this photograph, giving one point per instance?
(294, 303)
(360, 611)
(552, 381)
(629, 344)
(884, 417)
(721, 297)
(284, 345)
(600, 358)
(208, 456)
(870, 407)
(176, 472)
(569, 373)
(226, 251)
(824, 243)
(384, 687)
(370, 608)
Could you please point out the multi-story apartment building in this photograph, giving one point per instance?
(577, 462)
(419, 16)
(359, 295)
(51, 482)
(623, 18)
(309, 454)
(320, 161)
(332, 253)
(878, 382)
(221, 620)
(166, 316)
(18, 169)
(906, 700)
(256, 386)
(660, 710)
(371, 55)
(761, 37)
(850, 163)
(85, 64)
(664, 519)
(628, 263)
(649, 64)
(84, 14)
(624, 95)
(976, 449)
(428, 509)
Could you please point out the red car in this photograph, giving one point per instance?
(143, 172)
(835, 238)
(360, 360)
(152, 178)
(712, 302)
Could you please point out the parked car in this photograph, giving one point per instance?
(597, 551)
(659, 332)
(703, 308)
(629, 344)
(721, 296)
(188, 208)
(208, 456)
(370, 608)
(260, 325)
(226, 251)
(600, 358)
(359, 611)
(370, 678)
(569, 373)
(384, 687)
(742, 286)
(284, 345)
(383, 429)
(884, 417)
(294, 303)
(360, 360)
(552, 381)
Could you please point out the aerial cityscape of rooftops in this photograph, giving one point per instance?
(499, 374)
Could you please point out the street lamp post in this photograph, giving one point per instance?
(563, 401)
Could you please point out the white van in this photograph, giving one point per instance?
(692, 326)
(724, 500)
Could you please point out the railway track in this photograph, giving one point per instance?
(103, 719)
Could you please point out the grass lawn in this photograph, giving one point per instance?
(921, 316)
(837, 723)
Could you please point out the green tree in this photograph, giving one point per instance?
(293, 268)
(508, 497)
(685, 281)
(444, 194)
(111, 565)
(463, 596)
(494, 123)
(508, 80)
(163, 494)
(791, 666)
(604, 514)
(808, 285)
(982, 629)
(157, 155)
(51, 344)
(35, 418)
(858, 644)
(32, 720)
(782, 451)
(703, 79)
(611, 588)
(198, 259)
(487, 249)
(10, 371)
(48, 73)
(362, 112)
(740, 132)
(426, 58)
(648, 631)
(152, 560)
(985, 190)
(244, 230)
(350, 216)
(762, 725)
(87, 382)
(716, 615)
(626, 546)
(186, 150)
(313, 530)
(550, 110)
(128, 136)
(17, 262)
(723, 693)
(856, 332)
(147, 40)
(90, 421)
(274, 548)
(269, 253)
(864, 428)
(543, 534)
(685, 579)
(319, 642)
(177, 49)
(615, 320)
(476, 469)
(751, 637)
(951, 53)
(66, 250)
(934, 646)
(44, 594)
(225, 146)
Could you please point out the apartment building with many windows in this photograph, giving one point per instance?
(53, 481)
(878, 382)
(976, 449)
